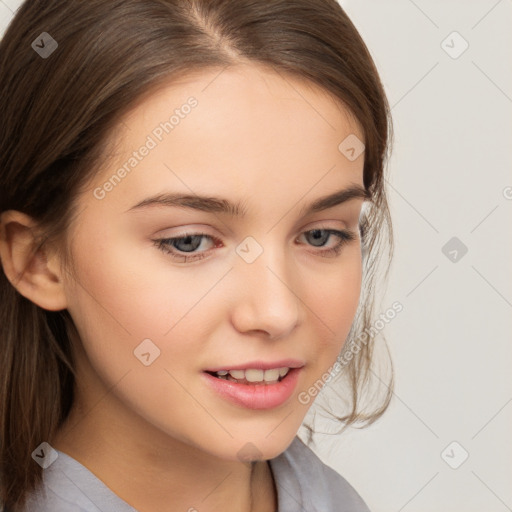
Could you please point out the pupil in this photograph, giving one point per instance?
(317, 234)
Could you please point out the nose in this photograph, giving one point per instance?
(265, 299)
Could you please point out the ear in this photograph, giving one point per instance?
(35, 276)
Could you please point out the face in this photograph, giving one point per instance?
(163, 292)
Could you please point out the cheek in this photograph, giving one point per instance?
(339, 296)
(119, 303)
(125, 284)
(333, 306)
(126, 294)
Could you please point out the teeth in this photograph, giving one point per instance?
(283, 371)
(271, 375)
(254, 375)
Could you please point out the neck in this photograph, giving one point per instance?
(158, 470)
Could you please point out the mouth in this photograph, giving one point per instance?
(252, 375)
(254, 388)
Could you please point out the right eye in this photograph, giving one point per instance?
(187, 241)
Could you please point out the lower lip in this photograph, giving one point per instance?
(256, 396)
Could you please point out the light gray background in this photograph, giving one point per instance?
(449, 176)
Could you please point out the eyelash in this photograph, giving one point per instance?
(164, 244)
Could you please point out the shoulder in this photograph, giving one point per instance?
(303, 479)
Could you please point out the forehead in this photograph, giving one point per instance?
(252, 82)
(250, 95)
(250, 125)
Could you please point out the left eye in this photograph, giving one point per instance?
(190, 242)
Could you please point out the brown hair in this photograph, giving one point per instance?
(57, 113)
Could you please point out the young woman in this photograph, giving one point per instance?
(192, 209)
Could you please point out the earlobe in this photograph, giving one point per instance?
(33, 275)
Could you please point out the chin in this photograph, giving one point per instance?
(247, 448)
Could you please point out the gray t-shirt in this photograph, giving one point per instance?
(303, 482)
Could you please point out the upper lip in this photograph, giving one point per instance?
(259, 365)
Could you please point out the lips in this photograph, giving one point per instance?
(254, 395)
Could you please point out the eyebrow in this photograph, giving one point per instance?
(220, 205)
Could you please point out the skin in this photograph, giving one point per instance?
(157, 435)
